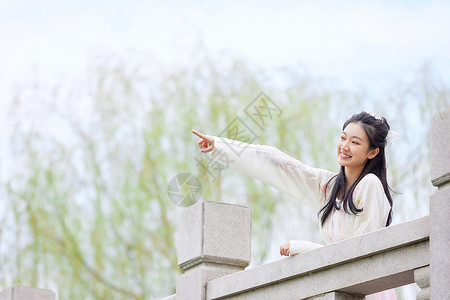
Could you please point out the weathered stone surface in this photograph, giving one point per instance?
(365, 276)
(365, 264)
(191, 285)
(213, 241)
(440, 148)
(227, 232)
(440, 244)
(214, 232)
(440, 208)
(422, 279)
(338, 296)
(190, 233)
(26, 293)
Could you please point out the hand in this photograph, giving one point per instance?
(206, 143)
(285, 249)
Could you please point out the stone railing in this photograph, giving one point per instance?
(214, 249)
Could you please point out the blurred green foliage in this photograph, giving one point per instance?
(87, 212)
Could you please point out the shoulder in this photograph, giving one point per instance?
(370, 181)
(369, 190)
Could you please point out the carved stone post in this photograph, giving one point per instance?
(213, 241)
(26, 293)
(422, 279)
(440, 207)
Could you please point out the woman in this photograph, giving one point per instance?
(349, 203)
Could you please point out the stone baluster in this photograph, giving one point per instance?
(440, 207)
(422, 279)
(213, 241)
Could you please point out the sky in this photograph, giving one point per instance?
(355, 42)
(368, 44)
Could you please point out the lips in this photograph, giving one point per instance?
(345, 156)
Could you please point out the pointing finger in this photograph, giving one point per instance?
(198, 134)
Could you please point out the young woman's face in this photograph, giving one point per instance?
(353, 147)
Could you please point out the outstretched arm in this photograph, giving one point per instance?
(271, 166)
(276, 168)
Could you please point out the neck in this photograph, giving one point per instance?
(351, 174)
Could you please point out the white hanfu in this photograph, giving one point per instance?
(307, 185)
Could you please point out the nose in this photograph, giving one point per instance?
(344, 147)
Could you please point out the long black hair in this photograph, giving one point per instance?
(377, 129)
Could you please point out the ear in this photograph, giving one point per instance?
(373, 153)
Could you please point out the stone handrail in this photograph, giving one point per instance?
(362, 265)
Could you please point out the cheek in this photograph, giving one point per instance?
(360, 153)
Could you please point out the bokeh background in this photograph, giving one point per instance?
(98, 99)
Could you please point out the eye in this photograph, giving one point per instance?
(342, 138)
(356, 143)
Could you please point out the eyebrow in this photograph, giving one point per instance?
(355, 136)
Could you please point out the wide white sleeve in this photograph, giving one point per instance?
(273, 167)
(372, 199)
(296, 247)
